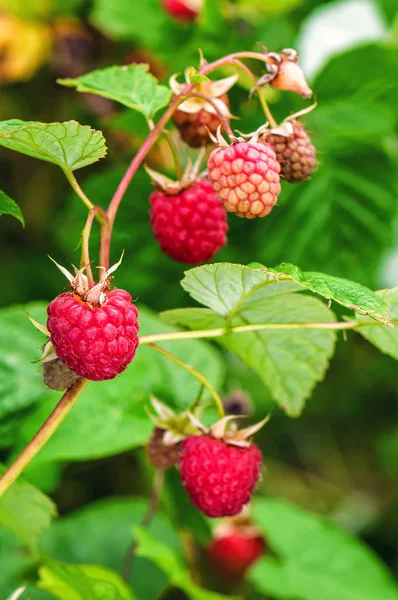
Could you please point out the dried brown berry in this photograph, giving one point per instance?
(294, 150)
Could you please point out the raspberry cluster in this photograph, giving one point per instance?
(96, 342)
(219, 478)
(191, 225)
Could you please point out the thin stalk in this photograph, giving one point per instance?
(85, 242)
(76, 187)
(258, 90)
(157, 487)
(221, 331)
(43, 435)
(174, 153)
(203, 380)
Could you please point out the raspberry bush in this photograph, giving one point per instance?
(152, 452)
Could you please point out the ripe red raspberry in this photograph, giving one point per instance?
(161, 455)
(182, 10)
(294, 152)
(96, 342)
(190, 225)
(219, 478)
(245, 177)
(57, 376)
(194, 127)
(234, 551)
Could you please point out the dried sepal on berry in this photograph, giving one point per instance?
(163, 446)
(284, 73)
(227, 430)
(96, 295)
(196, 117)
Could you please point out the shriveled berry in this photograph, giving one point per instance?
(57, 376)
(96, 342)
(191, 225)
(161, 455)
(219, 477)
(295, 153)
(233, 552)
(245, 177)
(194, 127)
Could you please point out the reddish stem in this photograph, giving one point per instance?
(205, 69)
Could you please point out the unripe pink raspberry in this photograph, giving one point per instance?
(219, 478)
(190, 225)
(96, 342)
(245, 177)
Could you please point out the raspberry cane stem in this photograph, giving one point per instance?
(203, 380)
(157, 130)
(43, 435)
(157, 488)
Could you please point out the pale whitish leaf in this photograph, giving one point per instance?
(171, 564)
(315, 559)
(384, 338)
(110, 416)
(131, 85)
(17, 594)
(289, 361)
(26, 511)
(83, 582)
(348, 293)
(9, 207)
(68, 145)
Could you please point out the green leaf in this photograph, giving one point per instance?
(347, 293)
(224, 287)
(74, 539)
(289, 361)
(69, 145)
(315, 559)
(128, 20)
(83, 582)
(131, 85)
(26, 511)
(385, 339)
(9, 207)
(343, 207)
(21, 383)
(171, 564)
(110, 416)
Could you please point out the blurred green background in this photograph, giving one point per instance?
(340, 457)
